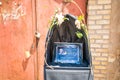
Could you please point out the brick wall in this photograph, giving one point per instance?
(99, 14)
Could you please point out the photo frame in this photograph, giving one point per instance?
(67, 53)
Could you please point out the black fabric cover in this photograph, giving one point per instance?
(66, 33)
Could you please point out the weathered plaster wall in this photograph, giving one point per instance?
(16, 34)
(114, 56)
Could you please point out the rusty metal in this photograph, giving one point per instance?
(36, 44)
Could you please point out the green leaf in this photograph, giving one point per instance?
(79, 34)
(85, 29)
(53, 23)
(66, 18)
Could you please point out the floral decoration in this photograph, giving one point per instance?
(80, 24)
(59, 18)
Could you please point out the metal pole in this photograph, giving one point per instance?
(36, 30)
(36, 66)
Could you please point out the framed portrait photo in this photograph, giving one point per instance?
(68, 53)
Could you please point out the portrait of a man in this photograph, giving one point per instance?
(68, 54)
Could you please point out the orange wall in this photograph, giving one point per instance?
(16, 35)
(16, 32)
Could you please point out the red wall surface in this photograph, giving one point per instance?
(17, 27)
(16, 32)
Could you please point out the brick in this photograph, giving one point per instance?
(103, 71)
(106, 27)
(91, 12)
(95, 17)
(107, 6)
(111, 59)
(105, 45)
(103, 32)
(104, 1)
(96, 62)
(96, 54)
(92, 2)
(101, 58)
(91, 22)
(91, 32)
(100, 75)
(100, 67)
(105, 54)
(102, 41)
(106, 17)
(92, 41)
(95, 27)
(92, 50)
(102, 78)
(103, 22)
(95, 7)
(102, 50)
(104, 63)
(103, 11)
(96, 71)
(95, 45)
(96, 78)
(106, 36)
(93, 58)
(95, 36)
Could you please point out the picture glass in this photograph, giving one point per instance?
(68, 53)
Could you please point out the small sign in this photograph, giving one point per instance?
(68, 53)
